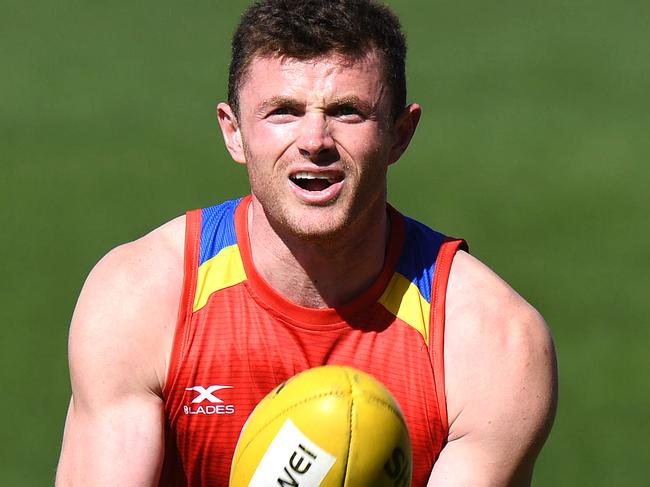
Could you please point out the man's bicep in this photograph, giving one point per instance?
(119, 444)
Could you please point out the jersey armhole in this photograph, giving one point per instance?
(437, 323)
(185, 306)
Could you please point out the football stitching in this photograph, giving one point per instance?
(351, 411)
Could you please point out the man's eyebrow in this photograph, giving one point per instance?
(353, 101)
(278, 101)
(284, 101)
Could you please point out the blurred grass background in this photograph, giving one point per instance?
(533, 145)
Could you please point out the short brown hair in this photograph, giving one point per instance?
(306, 29)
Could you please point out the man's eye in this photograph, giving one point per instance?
(280, 111)
(347, 111)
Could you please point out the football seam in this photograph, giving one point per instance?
(351, 392)
(373, 398)
(377, 400)
(350, 439)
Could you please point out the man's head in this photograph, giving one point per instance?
(317, 113)
(309, 29)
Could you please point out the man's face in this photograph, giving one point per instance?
(317, 138)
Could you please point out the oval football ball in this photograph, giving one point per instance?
(325, 427)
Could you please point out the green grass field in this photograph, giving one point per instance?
(533, 146)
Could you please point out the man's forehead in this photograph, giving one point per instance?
(367, 60)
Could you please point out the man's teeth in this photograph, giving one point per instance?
(311, 175)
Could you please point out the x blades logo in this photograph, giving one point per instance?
(215, 406)
(205, 394)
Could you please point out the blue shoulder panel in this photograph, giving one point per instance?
(217, 229)
(418, 259)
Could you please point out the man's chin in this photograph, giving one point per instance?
(317, 232)
(312, 226)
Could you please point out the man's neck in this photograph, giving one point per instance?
(318, 274)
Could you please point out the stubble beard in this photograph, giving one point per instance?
(320, 225)
(326, 227)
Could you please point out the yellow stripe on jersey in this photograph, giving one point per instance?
(403, 299)
(221, 271)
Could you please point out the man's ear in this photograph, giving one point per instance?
(404, 128)
(231, 132)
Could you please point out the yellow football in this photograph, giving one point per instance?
(328, 426)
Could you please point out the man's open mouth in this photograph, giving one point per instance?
(311, 181)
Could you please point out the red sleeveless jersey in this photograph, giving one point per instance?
(237, 338)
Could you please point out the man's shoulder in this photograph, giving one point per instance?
(143, 262)
(479, 295)
(147, 269)
(485, 314)
(127, 308)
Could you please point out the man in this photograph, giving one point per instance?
(313, 268)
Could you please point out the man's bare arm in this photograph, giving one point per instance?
(501, 382)
(120, 337)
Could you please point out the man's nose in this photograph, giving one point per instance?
(315, 140)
